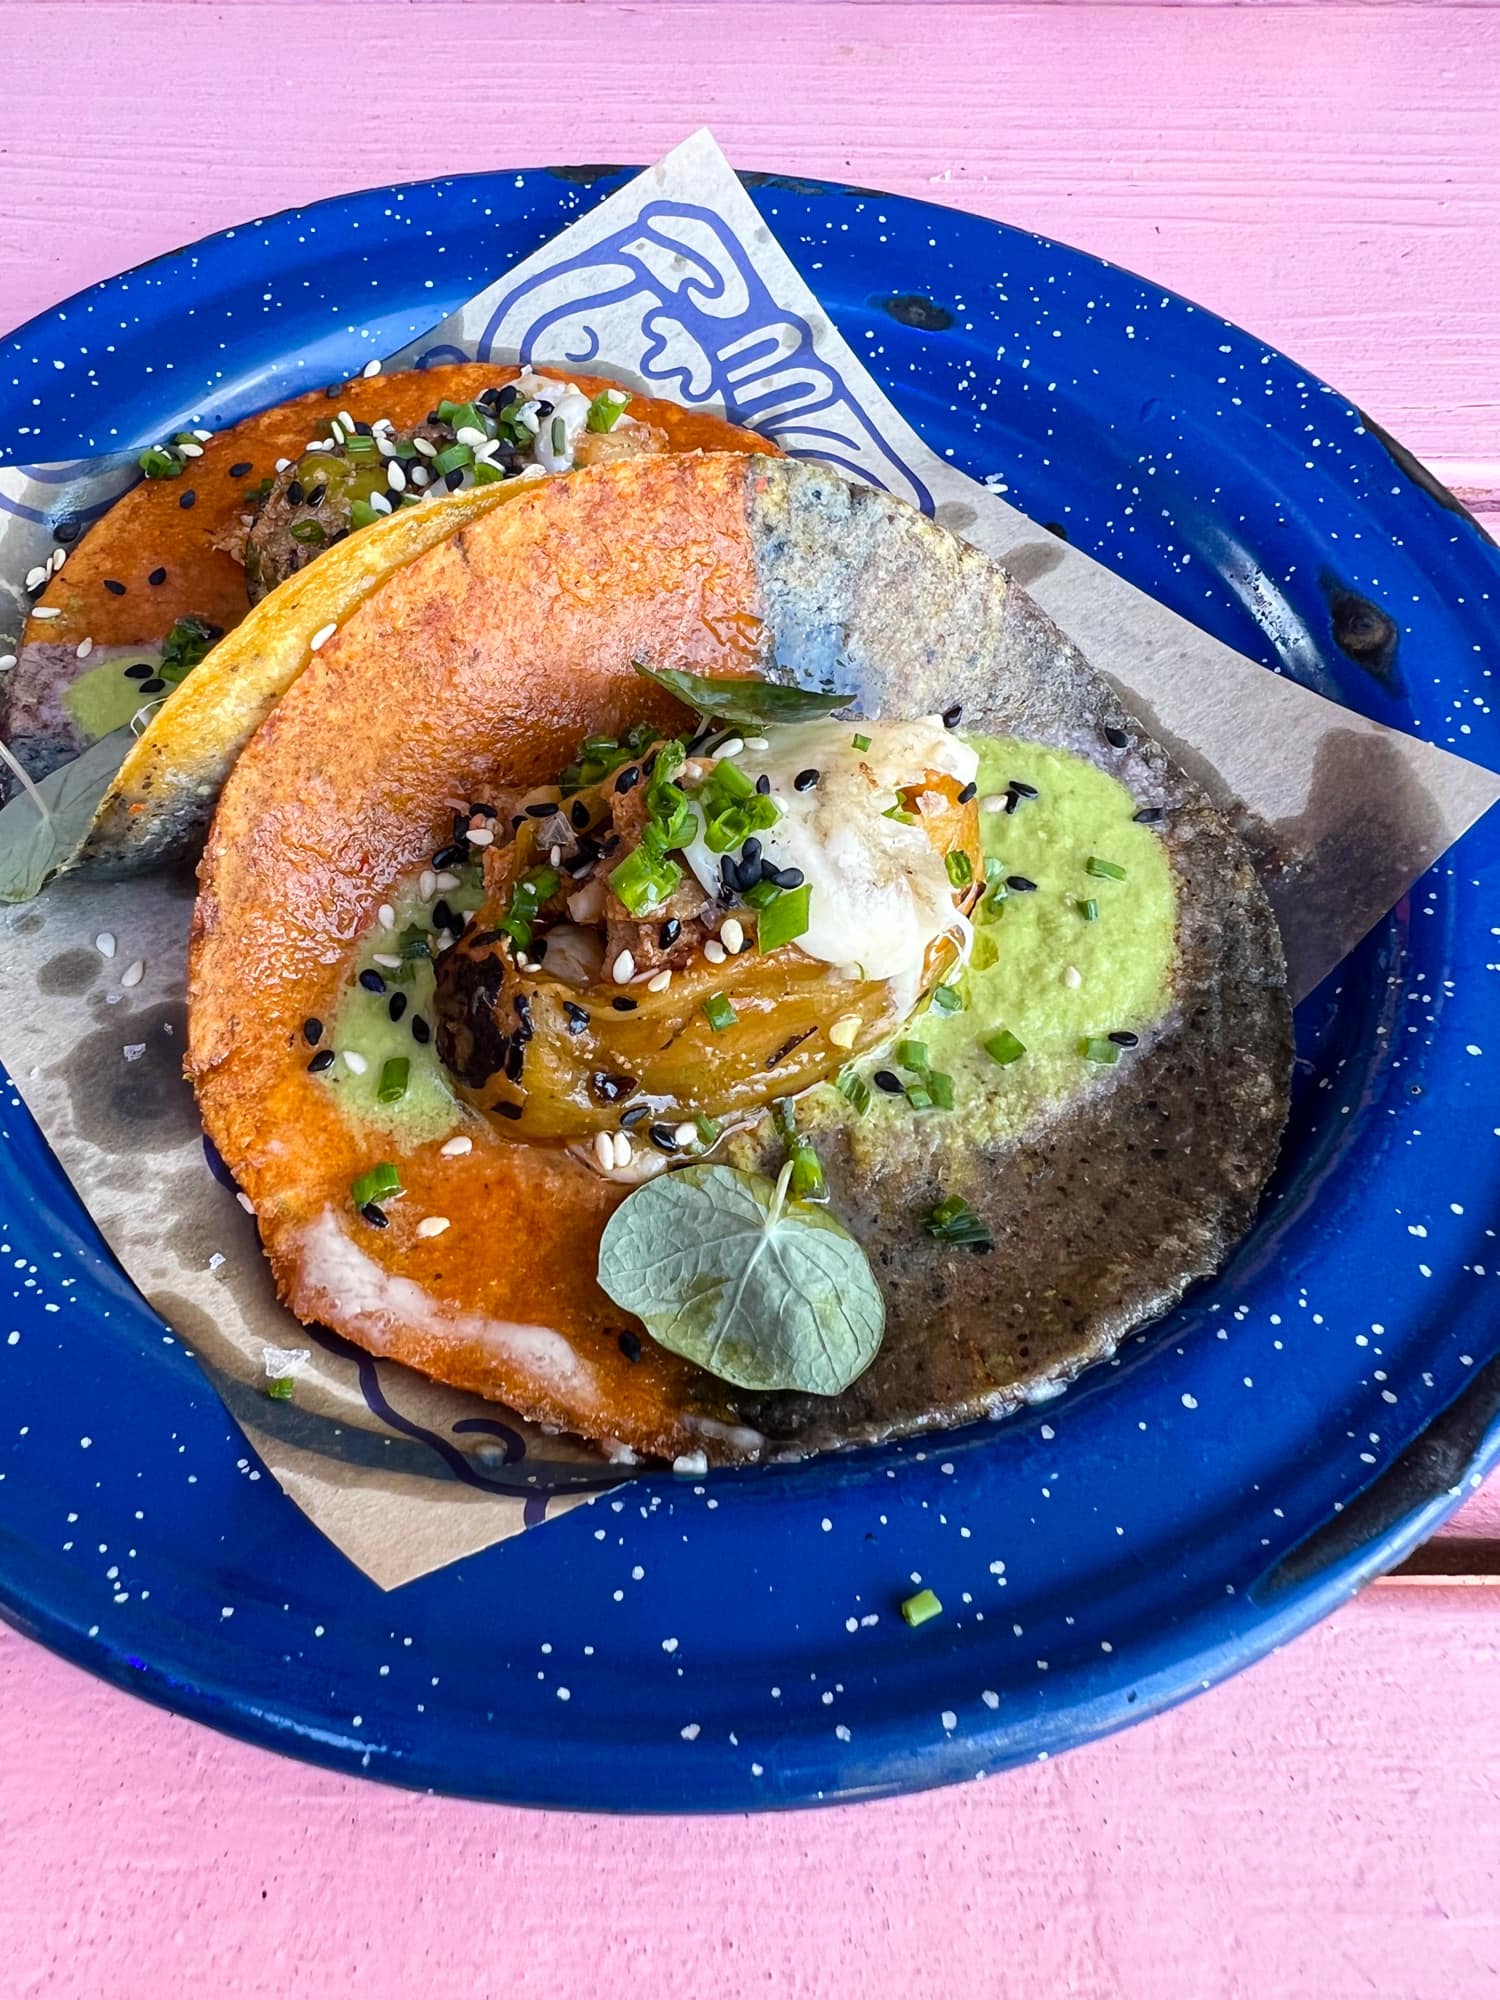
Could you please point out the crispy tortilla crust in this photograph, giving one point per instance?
(149, 528)
(479, 667)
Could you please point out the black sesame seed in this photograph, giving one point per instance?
(953, 715)
(312, 1031)
(763, 785)
(240, 468)
(318, 495)
(364, 430)
(66, 531)
(487, 812)
(1148, 814)
(543, 407)
(538, 950)
(787, 878)
(506, 396)
(453, 480)
(888, 1081)
(1012, 800)
(523, 1012)
(156, 685)
(751, 851)
(451, 857)
(188, 499)
(623, 1006)
(578, 812)
(157, 576)
(612, 1088)
(1022, 790)
(630, 776)
(138, 672)
(396, 1006)
(114, 586)
(375, 1215)
(294, 492)
(508, 1110)
(805, 780)
(1022, 884)
(966, 794)
(664, 1139)
(630, 1346)
(543, 809)
(517, 820)
(372, 981)
(1116, 737)
(515, 1060)
(669, 933)
(334, 389)
(578, 1018)
(636, 1115)
(1124, 1039)
(321, 1061)
(481, 938)
(420, 1032)
(442, 916)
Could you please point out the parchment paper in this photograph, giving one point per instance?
(675, 283)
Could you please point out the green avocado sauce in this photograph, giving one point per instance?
(427, 1109)
(103, 699)
(1018, 980)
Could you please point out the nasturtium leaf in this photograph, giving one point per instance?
(36, 845)
(746, 701)
(763, 1292)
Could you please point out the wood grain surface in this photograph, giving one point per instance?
(1328, 1824)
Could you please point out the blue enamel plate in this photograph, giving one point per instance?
(736, 1642)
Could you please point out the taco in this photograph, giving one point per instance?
(221, 519)
(699, 958)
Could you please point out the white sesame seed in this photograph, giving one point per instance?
(480, 836)
(370, 368)
(321, 637)
(35, 578)
(7, 661)
(732, 934)
(623, 969)
(714, 952)
(732, 748)
(620, 396)
(452, 1149)
(444, 939)
(347, 421)
(245, 1202)
(995, 803)
(203, 436)
(84, 648)
(469, 434)
(190, 450)
(387, 916)
(432, 1225)
(624, 1151)
(426, 446)
(685, 1134)
(1072, 976)
(420, 476)
(427, 885)
(355, 1061)
(283, 463)
(444, 879)
(134, 973)
(390, 960)
(844, 1032)
(659, 982)
(336, 432)
(554, 855)
(386, 446)
(104, 944)
(45, 611)
(380, 503)
(56, 560)
(395, 474)
(757, 743)
(604, 1150)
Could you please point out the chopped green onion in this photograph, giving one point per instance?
(941, 1087)
(159, 461)
(559, 436)
(1110, 870)
(486, 475)
(1089, 911)
(308, 532)
(452, 456)
(919, 1097)
(807, 1183)
(462, 416)
(720, 1013)
(785, 918)
(395, 1073)
(912, 1055)
(947, 999)
(860, 742)
(760, 893)
(925, 1604)
(605, 412)
(280, 1390)
(1099, 1049)
(1004, 1048)
(362, 514)
(643, 881)
(381, 1180)
(414, 943)
(852, 1087)
(900, 813)
(960, 868)
(189, 641)
(953, 1221)
(708, 1129)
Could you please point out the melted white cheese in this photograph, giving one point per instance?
(880, 890)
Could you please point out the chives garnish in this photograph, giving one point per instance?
(395, 1073)
(452, 456)
(924, 1604)
(1099, 1049)
(1089, 911)
(912, 1055)
(953, 1221)
(159, 461)
(280, 1391)
(309, 532)
(851, 1086)
(861, 742)
(784, 918)
(362, 514)
(642, 882)
(605, 412)
(760, 893)
(1005, 1048)
(379, 1181)
(899, 812)
(720, 1013)
(919, 1097)
(947, 999)
(941, 1089)
(1110, 870)
(960, 868)
(708, 1129)
(807, 1183)
(559, 436)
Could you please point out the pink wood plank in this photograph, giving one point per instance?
(1325, 1825)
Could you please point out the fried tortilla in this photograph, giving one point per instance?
(473, 674)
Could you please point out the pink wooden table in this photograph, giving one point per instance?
(1328, 1824)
